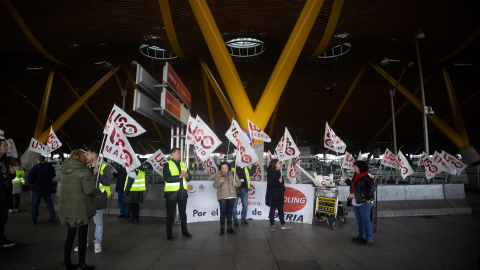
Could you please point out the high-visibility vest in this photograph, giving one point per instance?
(102, 187)
(169, 187)
(138, 184)
(17, 178)
(247, 175)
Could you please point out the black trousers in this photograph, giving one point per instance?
(82, 244)
(3, 217)
(182, 209)
(226, 211)
(135, 210)
(271, 214)
(16, 198)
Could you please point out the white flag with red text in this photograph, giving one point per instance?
(270, 157)
(257, 133)
(442, 164)
(360, 155)
(286, 147)
(2, 134)
(125, 122)
(191, 128)
(233, 131)
(332, 141)
(205, 140)
(348, 161)
(390, 160)
(36, 146)
(455, 163)
(245, 154)
(258, 176)
(118, 149)
(405, 168)
(298, 173)
(53, 142)
(12, 150)
(291, 173)
(431, 167)
(157, 160)
(208, 165)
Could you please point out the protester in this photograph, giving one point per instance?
(176, 176)
(40, 179)
(362, 194)
(7, 173)
(121, 174)
(244, 175)
(76, 206)
(275, 194)
(226, 194)
(17, 184)
(133, 193)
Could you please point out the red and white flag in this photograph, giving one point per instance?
(390, 160)
(431, 167)
(360, 155)
(125, 123)
(405, 168)
(257, 133)
(208, 165)
(118, 149)
(442, 164)
(191, 128)
(157, 161)
(2, 134)
(12, 150)
(286, 147)
(348, 161)
(258, 176)
(205, 140)
(53, 142)
(291, 174)
(455, 163)
(298, 173)
(245, 154)
(36, 146)
(270, 157)
(332, 141)
(233, 132)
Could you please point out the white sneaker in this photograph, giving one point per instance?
(76, 248)
(286, 227)
(98, 248)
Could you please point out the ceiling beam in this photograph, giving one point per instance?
(209, 101)
(42, 114)
(456, 113)
(170, 29)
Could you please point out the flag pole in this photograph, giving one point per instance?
(98, 158)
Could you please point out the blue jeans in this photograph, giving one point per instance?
(244, 198)
(98, 220)
(47, 196)
(125, 208)
(362, 213)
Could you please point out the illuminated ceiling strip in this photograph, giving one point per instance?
(170, 29)
(29, 34)
(330, 29)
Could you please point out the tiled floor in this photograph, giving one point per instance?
(439, 242)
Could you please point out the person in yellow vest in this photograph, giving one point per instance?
(17, 183)
(243, 174)
(103, 184)
(133, 193)
(176, 176)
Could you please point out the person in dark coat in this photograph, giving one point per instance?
(7, 173)
(133, 193)
(362, 194)
(275, 194)
(121, 174)
(40, 179)
(76, 205)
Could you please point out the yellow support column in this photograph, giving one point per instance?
(70, 111)
(223, 61)
(170, 29)
(458, 140)
(286, 63)
(456, 113)
(42, 114)
(209, 101)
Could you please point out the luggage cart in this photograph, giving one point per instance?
(328, 207)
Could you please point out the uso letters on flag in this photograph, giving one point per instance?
(291, 174)
(191, 127)
(348, 161)
(36, 146)
(257, 133)
(431, 167)
(405, 169)
(208, 165)
(390, 160)
(332, 141)
(12, 150)
(245, 153)
(444, 166)
(286, 147)
(53, 142)
(157, 161)
(456, 164)
(125, 122)
(205, 140)
(258, 176)
(118, 149)
(233, 131)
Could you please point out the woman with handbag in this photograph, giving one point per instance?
(275, 197)
(362, 194)
(226, 194)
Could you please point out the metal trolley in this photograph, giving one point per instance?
(327, 207)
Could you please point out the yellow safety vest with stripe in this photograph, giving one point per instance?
(102, 187)
(169, 187)
(247, 175)
(17, 178)
(138, 184)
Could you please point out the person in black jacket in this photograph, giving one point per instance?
(362, 194)
(7, 173)
(275, 194)
(121, 174)
(40, 179)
